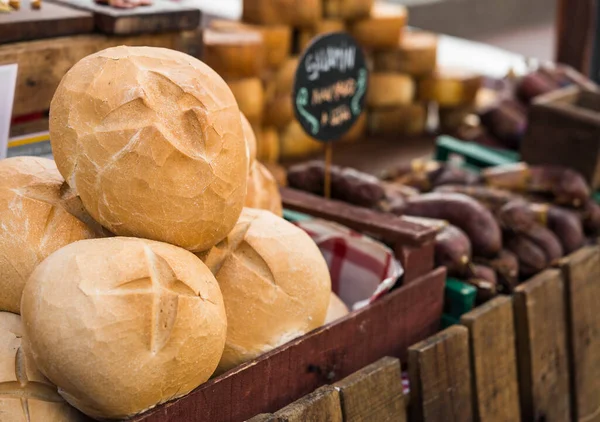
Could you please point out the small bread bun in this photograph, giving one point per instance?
(34, 222)
(25, 394)
(263, 192)
(275, 284)
(152, 141)
(336, 310)
(250, 138)
(123, 324)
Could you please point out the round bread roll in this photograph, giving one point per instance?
(123, 324)
(275, 284)
(33, 222)
(250, 138)
(160, 154)
(263, 192)
(25, 394)
(336, 310)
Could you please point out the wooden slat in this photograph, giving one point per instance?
(52, 20)
(385, 328)
(43, 63)
(263, 417)
(321, 405)
(540, 322)
(494, 362)
(374, 393)
(575, 33)
(582, 278)
(440, 378)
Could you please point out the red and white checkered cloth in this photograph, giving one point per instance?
(362, 269)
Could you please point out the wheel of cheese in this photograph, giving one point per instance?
(34, 222)
(275, 283)
(284, 79)
(404, 120)
(26, 394)
(161, 154)
(121, 324)
(250, 96)
(449, 87)
(415, 54)
(305, 35)
(282, 12)
(234, 54)
(279, 112)
(277, 38)
(263, 192)
(390, 89)
(382, 28)
(347, 9)
(295, 143)
(268, 145)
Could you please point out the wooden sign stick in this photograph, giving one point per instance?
(328, 159)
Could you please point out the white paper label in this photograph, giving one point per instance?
(8, 83)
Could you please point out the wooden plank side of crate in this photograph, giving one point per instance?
(385, 328)
(440, 377)
(540, 323)
(323, 404)
(43, 63)
(373, 393)
(582, 277)
(494, 361)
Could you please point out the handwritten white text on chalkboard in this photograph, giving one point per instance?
(339, 58)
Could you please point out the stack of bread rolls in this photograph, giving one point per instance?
(128, 252)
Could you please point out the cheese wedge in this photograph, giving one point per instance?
(382, 28)
(390, 89)
(415, 54)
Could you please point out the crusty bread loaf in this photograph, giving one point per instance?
(250, 138)
(275, 284)
(160, 154)
(123, 324)
(263, 192)
(33, 222)
(25, 394)
(336, 309)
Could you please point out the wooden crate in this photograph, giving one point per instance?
(564, 129)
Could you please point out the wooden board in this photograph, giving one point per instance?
(322, 404)
(440, 377)
(494, 362)
(582, 275)
(43, 63)
(542, 348)
(52, 20)
(328, 354)
(575, 33)
(374, 393)
(161, 16)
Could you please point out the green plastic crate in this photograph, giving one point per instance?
(459, 297)
(474, 156)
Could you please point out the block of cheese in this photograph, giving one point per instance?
(347, 9)
(305, 35)
(279, 112)
(389, 89)
(357, 131)
(234, 54)
(122, 324)
(34, 222)
(25, 394)
(295, 143)
(263, 192)
(403, 120)
(268, 145)
(275, 285)
(450, 87)
(415, 54)
(282, 12)
(382, 28)
(277, 38)
(250, 96)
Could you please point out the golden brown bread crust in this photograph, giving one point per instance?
(263, 192)
(336, 309)
(123, 324)
(33, 222)
(159, 155)
(275, 284)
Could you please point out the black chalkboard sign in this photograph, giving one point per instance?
(330, 86)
